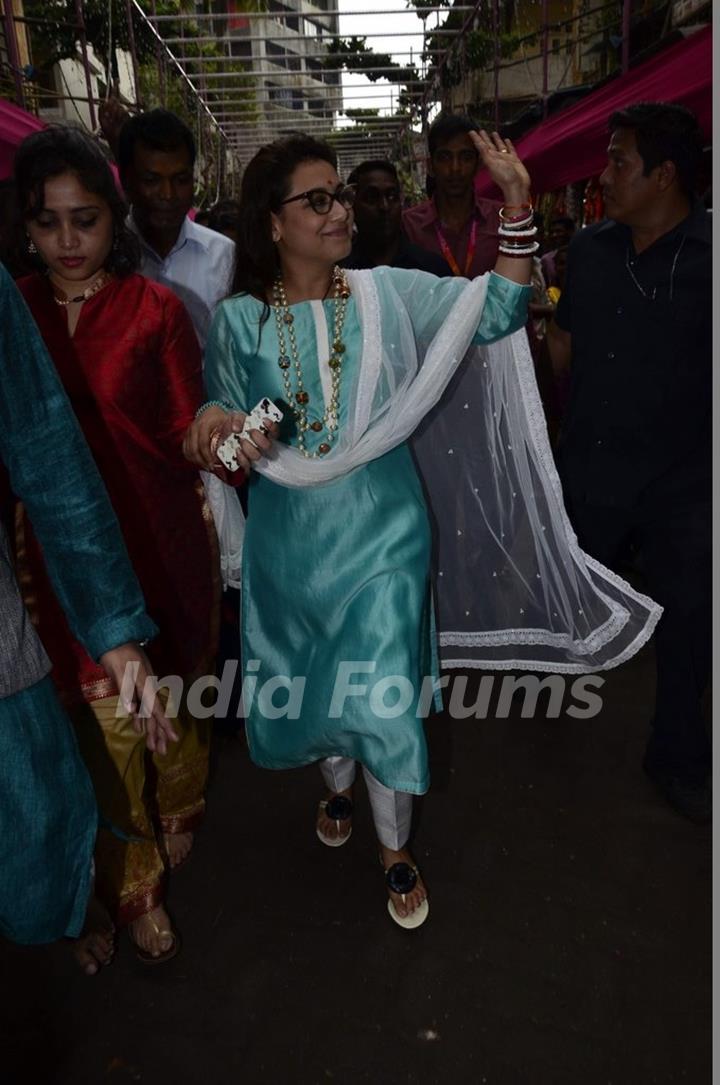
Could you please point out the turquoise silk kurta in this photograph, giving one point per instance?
(336, 578)
(48, 816)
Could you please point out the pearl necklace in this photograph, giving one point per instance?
(102, 280)
(300, 399)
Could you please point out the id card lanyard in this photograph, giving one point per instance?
(448, 254)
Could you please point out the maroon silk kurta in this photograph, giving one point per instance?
(133, 374)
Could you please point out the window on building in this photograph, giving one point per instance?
(279, 8)
(240, 48)
(276, 53)
(281, 96)
(45, 80)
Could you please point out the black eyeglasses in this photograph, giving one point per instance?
(321, 200)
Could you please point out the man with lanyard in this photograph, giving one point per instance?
(379, 239)
(456, 224)
(634, 325)
(155, 152)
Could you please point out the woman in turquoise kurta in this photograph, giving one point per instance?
(339, 573)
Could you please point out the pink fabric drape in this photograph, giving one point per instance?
(571, 145)
(15, 124)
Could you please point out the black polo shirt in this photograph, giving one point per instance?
(639, 413)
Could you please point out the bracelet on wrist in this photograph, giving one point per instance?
(519, 254)
(520, 243)
(517, 220)
(505, 231)
(516, 223)
(222, 403)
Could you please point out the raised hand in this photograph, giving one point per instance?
(500, 159)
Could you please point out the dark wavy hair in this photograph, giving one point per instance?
(265, 184)
(62, 149)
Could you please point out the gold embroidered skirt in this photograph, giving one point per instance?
(140, 796)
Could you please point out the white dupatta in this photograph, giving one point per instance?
(512, 587)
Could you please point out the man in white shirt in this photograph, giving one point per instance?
(156, 158)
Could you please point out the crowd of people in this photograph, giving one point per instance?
(136, 341)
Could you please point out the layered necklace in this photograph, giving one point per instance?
(95, 287)
(289, 362)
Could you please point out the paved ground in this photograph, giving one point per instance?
(568, 944)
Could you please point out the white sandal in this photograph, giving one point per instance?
(339, 808)
(401, 879)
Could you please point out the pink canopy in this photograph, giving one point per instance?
(15, 124)
(571, 145)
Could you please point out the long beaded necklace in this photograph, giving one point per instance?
(95, 287)
(299, 399)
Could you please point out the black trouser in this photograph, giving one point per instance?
(674, 544)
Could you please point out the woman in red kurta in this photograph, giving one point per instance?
(126, 352)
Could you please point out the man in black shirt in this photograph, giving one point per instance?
(379, 239)
(634, 325)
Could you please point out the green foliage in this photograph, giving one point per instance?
(355, 53)
(473, 50)
(361, 114)
(55, 38)
(423, 8)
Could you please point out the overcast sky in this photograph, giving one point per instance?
(405, 21)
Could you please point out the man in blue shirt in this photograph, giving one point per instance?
(156, 158)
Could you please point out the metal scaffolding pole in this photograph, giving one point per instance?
(545, 31)
(160, 63)
(86, 61)
(13, 52)
(133, 51)
(626, 35)
(330, 13)
(496, 76)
